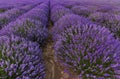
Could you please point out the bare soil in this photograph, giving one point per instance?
(53, 70)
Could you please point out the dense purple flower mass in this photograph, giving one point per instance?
(110, 21)
(82, 36)
(82, 10)
(66, 22)
(5, 8)
(12, 14)
(69, 4)
(40, 13)
(27, 28)
(106, 8)
(31, 25)
(20, 59)
(90, 51)
(58, 11)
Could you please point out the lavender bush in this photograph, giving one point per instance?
(70, 4)
(106, 8)
(27, 28)
(110, 21)
(90, 51)
(4, 8)
(40, 13)
(58, 11)
(67, 21)
(82, 10)
(12, 14)
(20, 59)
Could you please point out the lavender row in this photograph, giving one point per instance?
(12, 14)
(72, 20)
(86, 8)
(102, 14)
(86, 49)
(93, 6)
(40, 13)
(5, 8)
(15, 3)
(110, 21)
(57, 11)
(21, 58)
(29, 26)
(82, 10)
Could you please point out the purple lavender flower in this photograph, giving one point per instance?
(4, 8)
(20, 59)
(110, 21)
(3, 20)
(40, 13)
(90, 51)
(27, 7)
(18, 11)
(58, 11)
(53, 3)
(27, 28)
(82, 10)
(70, 4)
(106, 8)
(67, 21)
(12, 14)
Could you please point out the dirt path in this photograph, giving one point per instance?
(53, 70)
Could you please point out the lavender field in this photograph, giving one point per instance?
(59, 39)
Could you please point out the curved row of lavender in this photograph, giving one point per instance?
(20, 59)
(21, 56)
(82, 10)
(71, 19)
(57, 11)
(88, 50)
(5, 8)
(14, 13)
(31, 25)
(84, 48)
(39, 14)
(105, 14)
(110, 21)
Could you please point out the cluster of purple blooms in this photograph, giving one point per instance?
(21, 56)
(105, 8)
(110, 21)
(82, 10)
(6, 7)
(40, 13)
(69, 4)
(12, 14)
(20, 59)
(30, 26)
(89, 50)
(85, 39)
(72, 20)
(3, 9)
(57, 11)
(86, 48)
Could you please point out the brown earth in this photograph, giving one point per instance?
(53, 70)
